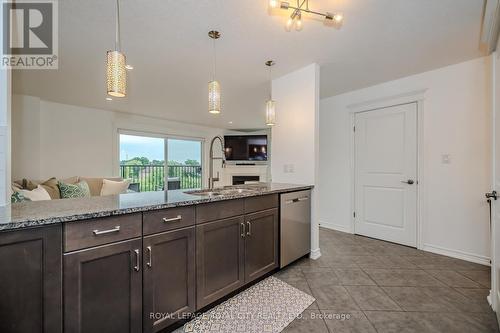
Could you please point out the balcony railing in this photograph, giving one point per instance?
(152, 177)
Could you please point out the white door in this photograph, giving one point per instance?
(385, 174)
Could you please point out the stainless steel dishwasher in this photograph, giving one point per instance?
(295, 226)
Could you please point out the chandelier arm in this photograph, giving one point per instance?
(306, 2)
(307, 11)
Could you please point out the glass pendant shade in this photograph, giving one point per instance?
(270, 113)
(116, 74)
(214, 97)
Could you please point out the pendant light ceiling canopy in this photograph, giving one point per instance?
(270, 104)
(214, 91)
(116, 73)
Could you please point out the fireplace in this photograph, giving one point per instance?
(240, 180)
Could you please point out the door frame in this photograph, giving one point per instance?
(417, 97)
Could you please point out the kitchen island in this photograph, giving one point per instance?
(135, 262)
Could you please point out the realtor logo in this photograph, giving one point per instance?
(29, 35)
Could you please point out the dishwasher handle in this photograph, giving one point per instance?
(297, 200)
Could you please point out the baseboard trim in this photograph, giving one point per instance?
(315, 254)
(475, 258)
(335, 226)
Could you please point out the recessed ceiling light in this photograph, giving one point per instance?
(129, 67)
(229, 122)
(109, 99)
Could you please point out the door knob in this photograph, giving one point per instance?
(409, 181)
(492, 194)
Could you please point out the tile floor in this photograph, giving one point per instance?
(366, 285)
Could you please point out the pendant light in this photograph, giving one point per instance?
(214, 93)
(116, 72)
(270, 104)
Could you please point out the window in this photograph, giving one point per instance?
(142, 159)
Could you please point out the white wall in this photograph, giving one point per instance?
(52, 139)
(456, 121)
(5, 130)
(5, 134)
(294, 139)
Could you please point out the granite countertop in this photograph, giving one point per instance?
(35, 213)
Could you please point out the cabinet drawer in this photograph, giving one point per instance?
(167, 219)
(219, 210)
(80, 235)
(255, 204)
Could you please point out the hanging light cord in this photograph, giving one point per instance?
(270, 83)
(215, 61)
(118, 42)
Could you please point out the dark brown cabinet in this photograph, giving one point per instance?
(103, 289)
(261, 243)
(169, 278)
(235, 251)
(31, 280)
(220, 257)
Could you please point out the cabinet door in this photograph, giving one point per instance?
(219, 259)
(261, 243)
(169, 278)
(103, 289)
(31, 280)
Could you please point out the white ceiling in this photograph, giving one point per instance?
(167, 43)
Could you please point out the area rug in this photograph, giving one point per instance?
(268, 306)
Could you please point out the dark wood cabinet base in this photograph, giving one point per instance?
(120, 275)
(30, 281)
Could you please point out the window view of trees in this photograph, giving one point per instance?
(150, 174)
(142, 159)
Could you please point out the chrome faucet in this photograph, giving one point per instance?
(211, 178)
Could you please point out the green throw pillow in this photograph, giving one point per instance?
(18, 197)
(78, 190)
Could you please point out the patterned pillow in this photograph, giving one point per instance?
(18, 197)
(78, 190)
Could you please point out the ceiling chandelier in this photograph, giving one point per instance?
(302, 6)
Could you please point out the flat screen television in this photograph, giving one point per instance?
(245, 147)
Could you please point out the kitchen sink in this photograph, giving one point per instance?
(220, 192)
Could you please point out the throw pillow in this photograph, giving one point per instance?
(50, 185)
(110, 187)
(38, 194)
(17, 197)
(78, 190)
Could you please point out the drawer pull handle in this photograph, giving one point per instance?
(249, 232)
(150, 257)
(103, 232)
(173, 219)
(303, 198)
(137, 263)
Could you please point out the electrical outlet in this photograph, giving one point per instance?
(446, 159)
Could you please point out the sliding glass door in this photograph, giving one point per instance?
(184, 163)
(156, 163)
